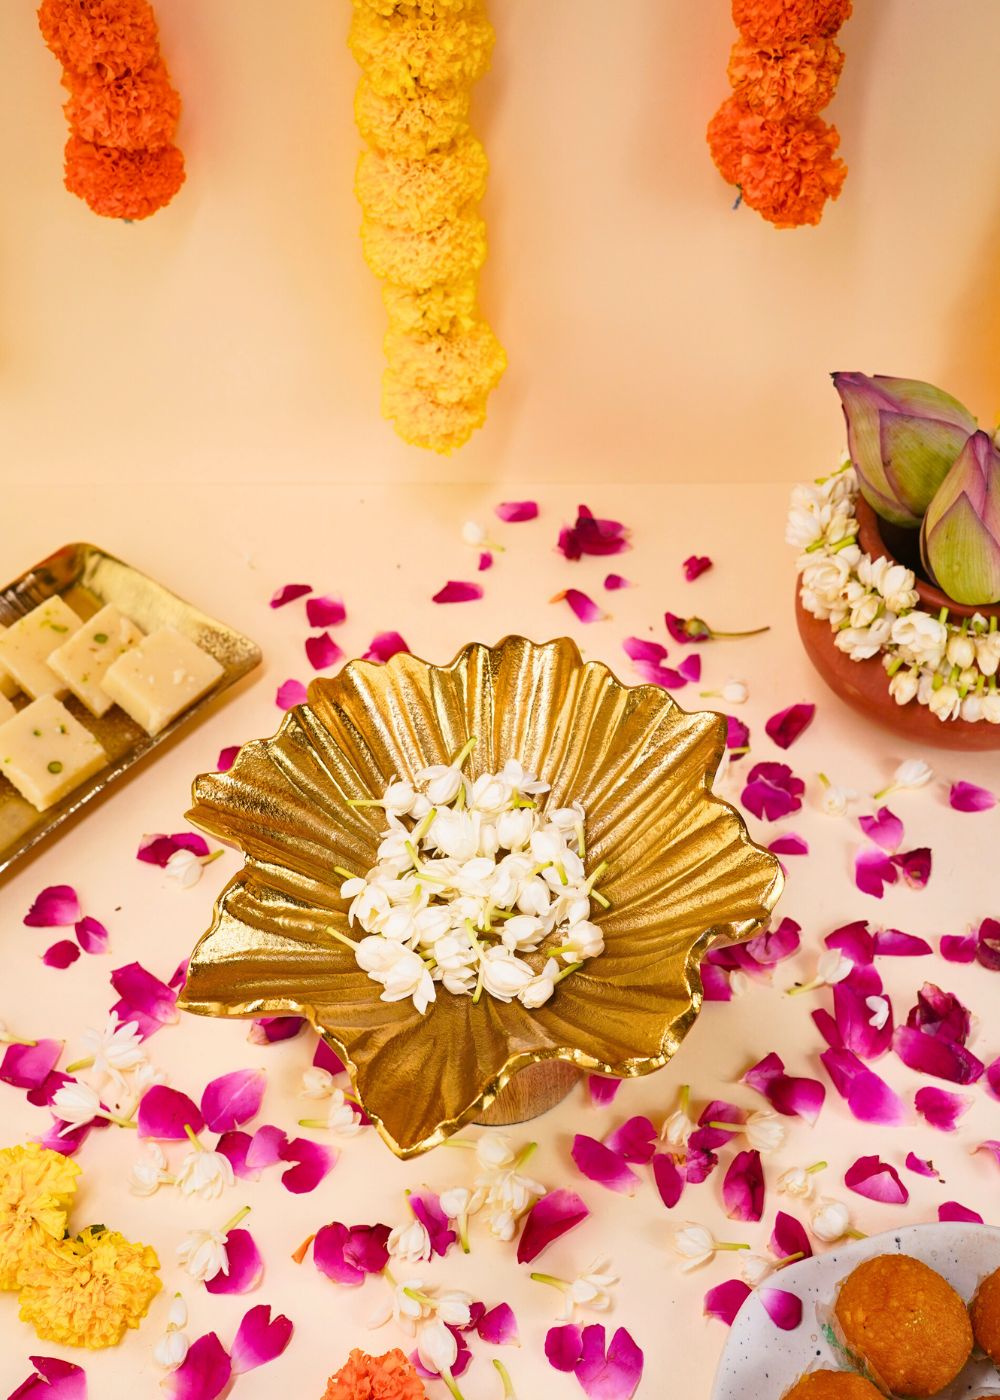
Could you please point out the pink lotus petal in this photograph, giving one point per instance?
(234, 1147)
(62, 954)
(951, 1210)
(695, 565)
(715, 983)
(29, 1066)
(959, 948)
(867, 1096)
(325, 612)
(288, 594)
(326, 1058)
(854, 1015)
(668, 1179)
(91, 935)
(514, 512)
(931, 1055)
(56, 907)
(878, 1180)
(323, 652)
(591, 535)
(613, 1374)
(789, 1237)
(454, 591)
(854, 941)
(233, 1099)
(203, 1374)
(789, 844)
(893, 943)
(613, 582)
(873, 870)
(158, 848)
(743, 1187)
(226, 759)
(967, 797)
(269, 1030)
(498, 1327)
(992, 1146)
(884, 828)
(582, 604)
(598, 1163)
(563, 1346)
(548, 1220)
(915, 866)
(426, 1207)
(259, 1339)
(312, 1162)
(725, 1300)
(921, 1167)
(246, 1265)
(772, 791)
(941, 1108)
(940, 1014)
(783, 1308)
(52, 1380)
(165, 1113)
(385, 645)
(602, 1089)
(289, 694)
(786, 726)
(634, 1140)
(988, 945)
(267, 1147)
(794, 1097)
(143, 999)
(485, 561)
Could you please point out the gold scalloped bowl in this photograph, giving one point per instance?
(683, 873)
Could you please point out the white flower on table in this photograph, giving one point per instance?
(830, 1221)
(203, 1254)
(410, 1242)
(317, 1083)
(696, 1245)
(754, 1268)
(149, 1172)
(114, 1050)
(765, 1132)
(204, 1173)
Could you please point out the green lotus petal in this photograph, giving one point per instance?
(917, 454)
(962, 555)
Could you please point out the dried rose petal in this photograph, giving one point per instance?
(166, 1113)
(695, 565)
(878, 1180)
(288, 594)
(325, 612)
(591, 535)
(794, 1097)
(743, 1187)
(783, 1308)
(323, 652)
(455, 591)
(915, 866)
(940, 1014)
(988, 945)
(920, 1166)
(547, 1220)
(259, 1339)
(582, 604)
(686, 629)
(789, 1238)
(941, 1108)
(634, 1140)
(289, 694)
(246, 1265)
(951, 1210)
(233, 1099)
(699, 1164)
(931, 1055)
(56, 907)
(62, 954)
(91, 935)
(311, 1163)
(725, 1300)
(203, 1374)
(786, 726)
(868, 1097)
(772, 791)
(613, 582)
(668, 1179)
(384, 646)
(227, 757)
(967, 797)
(598, 1163)
(885, 829)
(602, 1089)
(514, 512)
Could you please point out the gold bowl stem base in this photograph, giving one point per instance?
(531, 1092)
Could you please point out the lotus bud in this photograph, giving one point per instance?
(903, 436)
(960, 538)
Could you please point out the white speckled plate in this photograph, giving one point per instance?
(761, 1361)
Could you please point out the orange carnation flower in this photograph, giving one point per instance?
(766, 22)
(363, 1377)
(123, 184)
(797, 80)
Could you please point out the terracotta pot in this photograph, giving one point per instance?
(863, 684)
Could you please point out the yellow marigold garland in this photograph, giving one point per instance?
(36, 1190)
(418, 185)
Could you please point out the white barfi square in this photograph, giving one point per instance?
(83, 661)
(8, 685)
(26, 647)
(160, 677)
(46, 753)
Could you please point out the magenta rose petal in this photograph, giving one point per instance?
(634, 1140)
(498, 1327)
(958, 948)
(52, 1380)
(725, 1300)
(931, 1055)
(246, 1265)
(485, 561)
(327, 1059)
(143, 998)
(166, 1113)
(967, 797)
(583, 606)
(790, 844)
(259, 1339)
(29, 1066)
(878, 1180)
(893, 943)
(743, 1187)
(614, 582)
(941, 1108)
(227, 757)
(854, 941)
(787, 725)
(699, 1164)
(993, 1078)
(267, 1147)
(329, 1256)
(783, 1308)
(547, 1220)
(233, 1099)
(56, 907)
(598, 1163)
(516, 512)
(325, 612)
(602, 1089)
(311, 1162)
(234, 1147)
(988, 944)
(563, 1346)
(793, 1096)
(920, 1166)
(62, 954)
(591, 535)
(158, 848)
(789, 1237)
(686, 629)
(992, 1146)
(613, 1374)
(91, 935)
(873, 870)
(695, 565)
(289, 694)
(853, 1011)
(718, 1111)
(884, 828)
(915, 866)
(269, 1030)
(384, 646)
(203, 1374)
(772, 791)
(952, 1210)
(668, 1179)
(868, 1097)
(426, 1207)
(737, 735)
(940, 1014)
(323, 652)
(774, 945)
(715, 983)
(455, 591)
(288, 593)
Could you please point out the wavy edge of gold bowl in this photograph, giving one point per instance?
(763, 896)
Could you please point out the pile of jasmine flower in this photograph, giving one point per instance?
(471, 876)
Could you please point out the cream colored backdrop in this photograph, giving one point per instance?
(653, 334)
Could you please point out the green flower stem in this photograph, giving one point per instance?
(722, 1245)
(464, 751)
(856, 1235)
(195, 1142)
(452, 1384)
(525, 1155)
(817, 1167)
(508, 1385)
(77, 1064)
(213, 855)
(752, 632)
(559, 977)
(789, 1259)
(232, 1224)
(552, 1281)
(602, 899)
(344, 872)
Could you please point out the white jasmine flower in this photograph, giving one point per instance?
(972, 709)
(591, 1289)
(149, 1172)
(677, 1129)
(170, 1351)
(991, 708)
(879, 1008)
(754, 1268)
(913, 773)
(406, 1302)
(503, 1225)
(444, 781)
(830, 1221)
(541, 987)
(696, 1245)
(184, 868)
(437, 1346)
(473, 534)
(945, 702)
(765, 1132)
(920, 638)
(115, 1049)
(410, 1242)
(494, 1151)
(961, 650)
(205, 1174)
(341, 1118)
(505, 976)
(178, 1314)
(583, 940)
(455, 1202)
(76, 1104)
(202, 1254)
(988, 653)
(835, 800)
(735, 692)
(833, 967)
(903, 686)
(453, 1307)
(798, 1182)
(317, 1083)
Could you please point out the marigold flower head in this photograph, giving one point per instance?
(363, 1377)
(725, 141)
(37, 1186)
(423, 422)
(419, 194)
(795, 80)
(413, 125)
(765, 23)
(400, 51)
(788, 170)
(412, 7)
(87, 1291)
(112, 37)
(450, 369)
(446, 306)
(453, 250)
(123, 184)
(130, 112)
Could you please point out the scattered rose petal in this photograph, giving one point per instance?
(62, 954)
(690, 666)
(772, 791)
(349, 1255)
(641, 649)
(789, 1237)
(143, 999)
(863, 1013)
(234, 1147)
(547, 1220)
(699, 1164)
(613, 582)
(668, 1179)
(725, 1300)
(514, 512)
(326, 1058)
(931, 1055)
(920, 1166)
(893, 943)
(498, 1327)
(686, 629)
(56, 907)
(695, 565)
(563, 1346)
(992, 1146)
(384, 646)
(940, 1014)
(786, 726)
(259, 1339)
(743, 1187)
(268, 1030)
(233, 1099)
(158, 848)
(988, 945)
(884, 828)
(790, 844)
(915, 866)
(951, 1210)
(613, 1374)
(91, 935)
(854, 941)
(959, 948)
(716, 1112)
(165, 1113)
(602, 1089)
(426, 1207)
(203, 1374)
(591, 535)
(226, 759)
(582, 604)
(794, 1097)
(52, 1380)
(967, 797)
(323, 652)
(993, 1078)
(29, 1066)
(715, 983)
(485, 561)
(878, 1180)
(873, 870)
(325, 612)
(266, 1148)
(868, 1097)
(783, 1308)
(598, 1163)
(311, 1163)
(773, 946)
(246, 1265)
(454, 591)
(288, 594)
(289, 694)
(634, 1140)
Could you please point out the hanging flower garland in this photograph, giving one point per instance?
(419, 184)
(768, 138)
(122, 109)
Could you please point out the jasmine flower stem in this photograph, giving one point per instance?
(508, 1386)
(240, 1215)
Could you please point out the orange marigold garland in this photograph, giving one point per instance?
(768, 138)
(419, 185)
(122, 108)
(363, 1377)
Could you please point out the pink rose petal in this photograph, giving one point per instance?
(967, 797)
(743, 1187)
(226, 759)
(786, 726)
(737, 735)
(772, 791)
(598, 1163)
(485, 561)
(951, 1210)
(426, 1207)
(591, 535)
(384, 646)
(959, 948)
(725, 1300)
(690, 666)
(91, 935)
(695, 565)
(549, 1219)
(686, 629)
(259, 1339)
(289, 694)
(774, 945)
(783, 1308)
(52, 1380)
(234, 1147)
(269, 1030)
(854, 941)
(323, 652)
(514, 512)
(613, 582)
(158, 848)
(868, 1097)
(715, 983)
(311, 1163)
(878, 1180)
(143, 999)
(498, 1327)
(992, 1146)
(641, 649)
(988, 944)
(602, 1090)
(884, 828)
(668, 1179)
(582, 604)
(613, 1374)
(993, 1078)
(931, 1055)
(915, 866)
(349, 1255)
(634, 1140)
(62, 954)
(854, 1015)
(794, 1097)
(873, 870)
(29, 1066)
(166, 1113)
(893, 943)
(288, 594)
(940, 1014)
(56, 907)
(325, 612)
(920, 1166)
(233, 1099)
(203, 1374)
(717, 1111)
(789, 844)
(326, 1058)
(246, 1265)
(266, 1148)
(789, 1237)
(699, 1164)
(563, 1346)
(454, 591)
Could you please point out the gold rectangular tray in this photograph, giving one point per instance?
(88, 578)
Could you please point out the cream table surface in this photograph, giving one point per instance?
(386, 551)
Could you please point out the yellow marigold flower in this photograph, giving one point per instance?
(451, 251)
(420, 194)
(424, 422)
(402, 50)
(411, 126)
(36, 1188)
(446, 306)
(449, 369)
(86, 1292)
